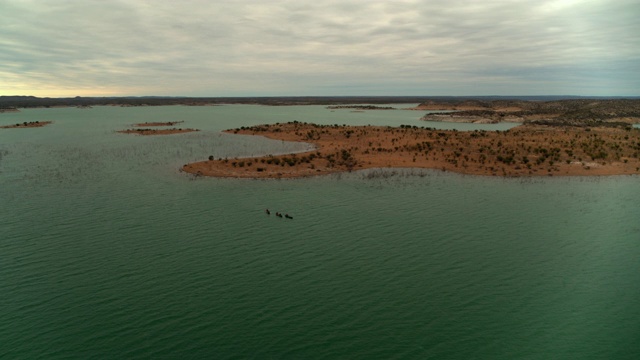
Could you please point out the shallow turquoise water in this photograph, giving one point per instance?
(107, 250)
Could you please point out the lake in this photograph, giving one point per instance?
(107, 250)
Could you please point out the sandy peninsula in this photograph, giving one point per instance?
(24, 125)
(527, 150)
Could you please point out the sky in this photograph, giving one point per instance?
(62, 48)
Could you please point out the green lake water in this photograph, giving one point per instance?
(108, 251)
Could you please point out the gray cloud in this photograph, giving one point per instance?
(203, 48)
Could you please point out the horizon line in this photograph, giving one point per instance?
(326, 96)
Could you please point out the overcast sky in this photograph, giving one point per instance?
(296, 47)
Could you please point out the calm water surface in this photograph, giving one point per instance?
(108, 251)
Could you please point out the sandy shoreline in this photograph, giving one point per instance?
(522, 151)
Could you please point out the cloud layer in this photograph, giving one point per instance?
(236, 48)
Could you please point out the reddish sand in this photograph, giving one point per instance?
(156, 131)
(521, 151)
(24, 125)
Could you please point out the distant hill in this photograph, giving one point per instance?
(8, 102)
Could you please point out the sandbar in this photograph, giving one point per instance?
(526, 150)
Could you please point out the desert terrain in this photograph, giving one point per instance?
(575, 112)
(527, 150)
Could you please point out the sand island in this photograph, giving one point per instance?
(167, 123)
(148, 131)
(156, 131)
(24, 125)
(526, 150)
